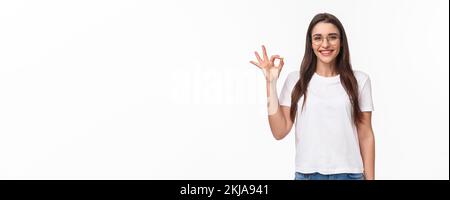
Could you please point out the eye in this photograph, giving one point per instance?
(333, 37)
(317, 38)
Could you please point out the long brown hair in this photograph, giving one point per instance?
(343, 67)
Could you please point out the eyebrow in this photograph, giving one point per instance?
(317, 34)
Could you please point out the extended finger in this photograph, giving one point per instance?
(265, 53)
(257, 57)
(253, 62)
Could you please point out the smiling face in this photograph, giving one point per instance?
(325, 40)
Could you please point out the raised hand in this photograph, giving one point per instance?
(270, 70)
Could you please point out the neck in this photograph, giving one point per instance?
(326, 69)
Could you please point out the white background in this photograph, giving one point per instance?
(165, 90)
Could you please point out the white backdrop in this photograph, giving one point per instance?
(164, 89)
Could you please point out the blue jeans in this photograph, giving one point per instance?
(317, 176)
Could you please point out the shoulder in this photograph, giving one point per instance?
(291, 80)
(361, 77)
(293, 76)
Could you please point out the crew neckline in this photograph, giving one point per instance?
(327, 78)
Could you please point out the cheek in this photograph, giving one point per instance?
(316, 53)
(338, 49)
(337, 52)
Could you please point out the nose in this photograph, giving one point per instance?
(325, 43)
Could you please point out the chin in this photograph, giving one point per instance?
(326, 60)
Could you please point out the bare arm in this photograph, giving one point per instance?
(280, 123)
(367, 145)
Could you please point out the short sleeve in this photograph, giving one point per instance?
(365, 97)
(286, 91)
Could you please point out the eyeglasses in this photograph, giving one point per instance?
(332, 39)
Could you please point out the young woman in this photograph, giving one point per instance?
(330, 104)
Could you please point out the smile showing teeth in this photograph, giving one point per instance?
(326, 52)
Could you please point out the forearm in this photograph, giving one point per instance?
(367, 145)
(272, 97)
(276, 118)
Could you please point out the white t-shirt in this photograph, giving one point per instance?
(326, 139)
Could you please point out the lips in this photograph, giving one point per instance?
(326, 52)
